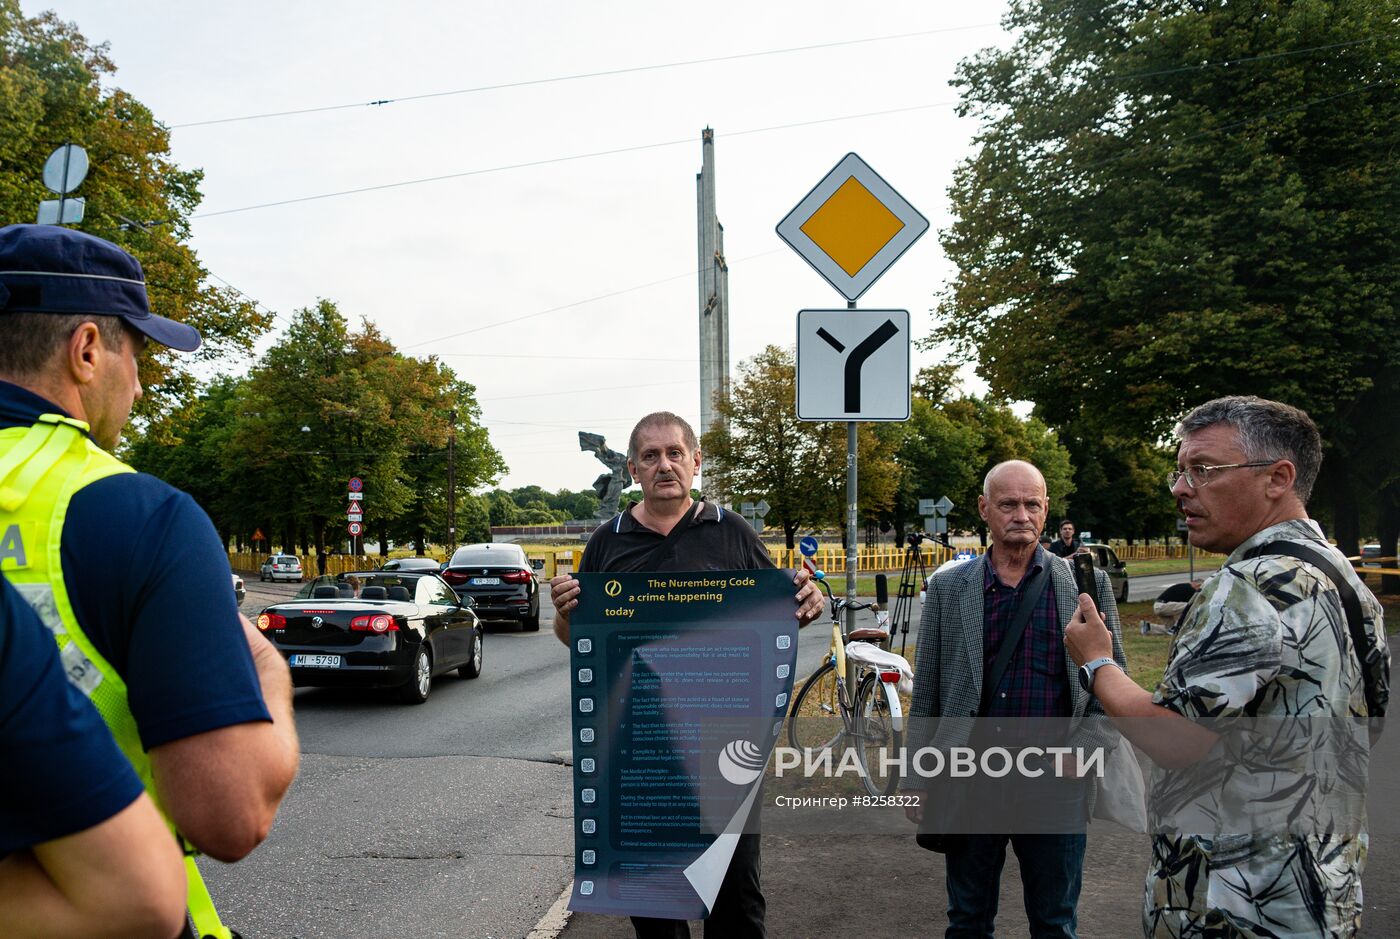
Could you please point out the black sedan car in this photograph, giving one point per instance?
(376, 629)
(412, 564)
(501, 581)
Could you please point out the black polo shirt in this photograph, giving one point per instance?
(716, 540)
(1062, 550)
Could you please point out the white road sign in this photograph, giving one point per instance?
(61, 212)
(853, 365)
(852, 227)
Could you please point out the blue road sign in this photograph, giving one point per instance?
(808, 546)
(965, 555)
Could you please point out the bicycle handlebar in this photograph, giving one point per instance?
(844, 603)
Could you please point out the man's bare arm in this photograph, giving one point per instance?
(222, 787)
(123, 878)
(1172, 741)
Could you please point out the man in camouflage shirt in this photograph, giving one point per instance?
(1258, 804)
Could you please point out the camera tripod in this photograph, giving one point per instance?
(911, 582)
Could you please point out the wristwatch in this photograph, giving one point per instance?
(1087, 670)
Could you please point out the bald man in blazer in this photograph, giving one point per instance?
(968, 609)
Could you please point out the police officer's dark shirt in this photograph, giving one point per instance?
(149, 581)
(60, 770)
(717, 540)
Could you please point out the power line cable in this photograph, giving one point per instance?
(566, 306)
(569, 358)
(580, 391)
(585, 75)
(563, 159)
(1225, 63)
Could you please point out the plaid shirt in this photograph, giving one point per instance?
(1034, 684)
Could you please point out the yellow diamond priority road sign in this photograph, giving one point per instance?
(852, 227)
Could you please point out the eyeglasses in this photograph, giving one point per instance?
(1198, 476)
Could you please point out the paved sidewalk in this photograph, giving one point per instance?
(886, 887)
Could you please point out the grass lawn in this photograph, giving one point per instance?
(1204, 565)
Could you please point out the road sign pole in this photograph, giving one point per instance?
(63, 196)
(852, 548)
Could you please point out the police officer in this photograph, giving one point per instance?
(127, 571)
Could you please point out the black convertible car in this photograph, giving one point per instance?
(376, 629)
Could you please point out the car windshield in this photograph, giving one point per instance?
(484, 557)
(345, 589)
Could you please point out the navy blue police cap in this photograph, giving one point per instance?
(51, 269)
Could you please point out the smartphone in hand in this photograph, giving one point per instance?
(1084, 576)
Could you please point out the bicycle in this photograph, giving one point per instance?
(871, 717)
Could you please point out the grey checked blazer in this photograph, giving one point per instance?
(949, 661)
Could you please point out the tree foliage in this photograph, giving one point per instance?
(52, 93)
(1175, 201)
(274, 450)
(760, 450)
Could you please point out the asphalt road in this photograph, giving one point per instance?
(448, 819)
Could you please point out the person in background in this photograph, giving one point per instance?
(1068, 543)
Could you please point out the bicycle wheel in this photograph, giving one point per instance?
(814, 723)
(878, 726)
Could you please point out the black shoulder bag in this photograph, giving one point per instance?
(660, 552)
(1375, 670)
(942, 842)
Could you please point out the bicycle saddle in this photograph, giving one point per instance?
(867, 634)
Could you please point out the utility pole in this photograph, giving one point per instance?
(714, 292)
(452, 481)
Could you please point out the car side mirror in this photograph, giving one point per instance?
(466, 603)
(537, 564)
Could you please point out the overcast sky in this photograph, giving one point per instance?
(564, 291)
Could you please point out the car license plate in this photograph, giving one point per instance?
(316, 661)
(486, 581)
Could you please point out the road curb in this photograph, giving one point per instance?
(552, 923)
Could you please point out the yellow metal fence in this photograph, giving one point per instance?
(831, 559)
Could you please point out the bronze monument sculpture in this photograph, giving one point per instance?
(609, 485)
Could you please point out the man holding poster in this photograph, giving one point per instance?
(670, 532)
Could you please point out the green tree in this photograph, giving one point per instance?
(473, 521)
(937, 456)
(52, 92)
(1175, 201)
(274, 450)
(1003, 436)
(503, 509)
